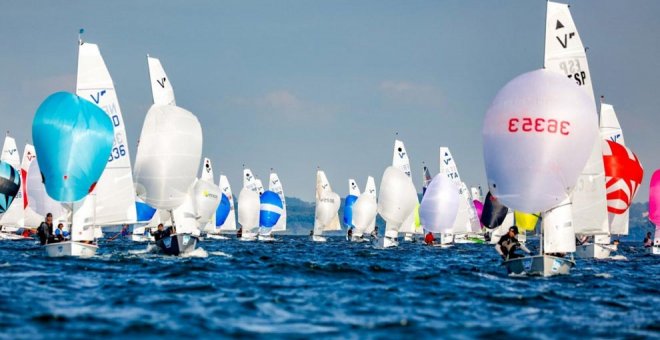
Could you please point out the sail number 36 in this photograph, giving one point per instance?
(528, 124)
(117, 152)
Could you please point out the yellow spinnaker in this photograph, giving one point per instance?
(525, 220)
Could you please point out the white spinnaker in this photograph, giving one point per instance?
(32, 219)
(207, 198)
(113, 200)
(365, 210)
(610, 129)
(353, 188)
(558, 231)
(466, 218)
(14, 217)
(275, 185)
(161, 88)
(397, 199)
(230, 222)
(326, 200)
(168, 156)
(565, 53)
(248, 211)
(249, 181)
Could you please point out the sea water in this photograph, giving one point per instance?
(296, 288)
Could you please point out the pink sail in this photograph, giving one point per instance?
(654, 199)
(480, 208)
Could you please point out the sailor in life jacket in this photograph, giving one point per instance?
(508, 244)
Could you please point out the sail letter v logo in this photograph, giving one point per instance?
(161, 82)
(564, 42)
(97, 99)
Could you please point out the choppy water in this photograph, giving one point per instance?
(293, 288)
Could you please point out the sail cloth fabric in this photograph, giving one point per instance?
(439, 205)
(73, 138)
(114, 194)
(654, 199)
(228, 222)
(10, 183)
(144, 212)
(271, 209)
(544, 129)
(624, 174)
(168, 156)
(39, 200)
(349, 203)
(493, 213)
(397, 197)
(525, 220)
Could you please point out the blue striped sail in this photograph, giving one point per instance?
(222, 212)
(348, 209)
(270, 209)
(73, 138)
(144, 211)
(10, 183)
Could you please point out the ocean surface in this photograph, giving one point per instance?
(297, 289)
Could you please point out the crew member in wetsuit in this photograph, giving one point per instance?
(349, 234)
(428, 239)
(45, 230)
(158, 234)
(508, 244)
(239, 233)
(648, 240)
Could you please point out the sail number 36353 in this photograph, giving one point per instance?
(527, 124)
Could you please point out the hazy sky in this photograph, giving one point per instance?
(298, 84)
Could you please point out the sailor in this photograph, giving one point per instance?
(349, 234)
(122, 233)
(648, 240)
(508, 244)
(239, 233)
(45, 230)
(158, 234)
(374, 233)
(311, 232)
(60, 233)
(428, 239)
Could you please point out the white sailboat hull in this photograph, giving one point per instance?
(387, 242)
(216, 237)
(594, 251)
(71, 248)
(141, 238)
(539, 265)
(359, 239)
(655, 250)
(266, 238)
(319, 238)
(248, 237)
(13, 237)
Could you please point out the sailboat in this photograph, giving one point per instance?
(10, 186)
(364, 212)
(275, 185)
(408, 227)
(654, 210)
(225, 216)
(396, 201)
(543, 163)
(270, 211)
(466, 221)
(349, 201)
(112, 202)
(13, 218)
(73, 138)
(168, 157)
(248, 213)
(204, 197)
(32, 219)
(326, 214)
(565, 54)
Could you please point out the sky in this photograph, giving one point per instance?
(296, 85)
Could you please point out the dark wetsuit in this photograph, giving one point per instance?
(45, 233)
(509, 245)
(158, 234)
